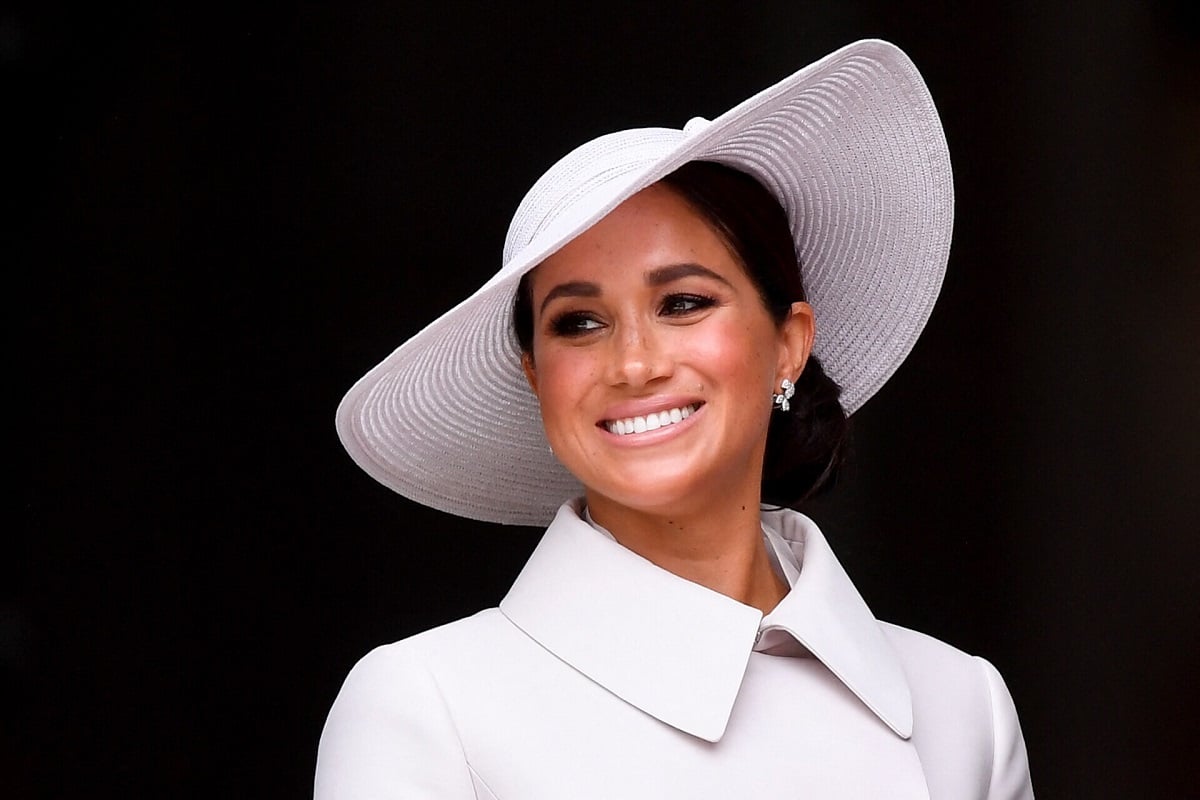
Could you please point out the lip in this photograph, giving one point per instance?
(644, 409)
(649, 405)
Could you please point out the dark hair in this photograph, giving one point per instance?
(806, 445)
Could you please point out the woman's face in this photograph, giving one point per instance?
(654, 358)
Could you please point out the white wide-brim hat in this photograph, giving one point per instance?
(852, 148)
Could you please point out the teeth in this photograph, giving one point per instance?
(650, 422)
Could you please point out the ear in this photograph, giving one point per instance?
(796, 340)
(530, 371)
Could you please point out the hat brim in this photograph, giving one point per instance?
(852, 147)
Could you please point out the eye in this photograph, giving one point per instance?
(678, 305)
(574, 323)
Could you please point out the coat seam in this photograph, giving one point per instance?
(454, 723)
(987, 685)
(486, 785)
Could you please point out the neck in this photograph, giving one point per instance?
(720, 548)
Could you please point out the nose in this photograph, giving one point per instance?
(638, 357)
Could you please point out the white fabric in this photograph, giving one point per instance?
(785, 562)
(603, 676)
(853, 149)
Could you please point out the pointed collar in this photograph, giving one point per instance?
(677, 650)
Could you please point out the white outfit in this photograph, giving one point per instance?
(602, 675)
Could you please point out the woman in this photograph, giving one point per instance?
(681, 325)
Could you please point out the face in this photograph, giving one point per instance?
(654, 359)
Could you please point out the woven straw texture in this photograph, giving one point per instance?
(853, 149)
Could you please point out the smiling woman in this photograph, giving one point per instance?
(806, 447)
(656, 346)
(671, 322)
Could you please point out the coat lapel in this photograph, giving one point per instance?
(677, 650)
(665, 645)
(826, 614)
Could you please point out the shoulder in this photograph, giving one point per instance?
(924, 654)
(939, 671)
(962, 709)
(412, 675)
(392, 728)
(477, 632)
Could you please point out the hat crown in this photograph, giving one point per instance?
(578, 185)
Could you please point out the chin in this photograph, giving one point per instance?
(654, 493)
(670, 483)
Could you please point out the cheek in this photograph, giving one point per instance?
(563, 381)
(738, 354)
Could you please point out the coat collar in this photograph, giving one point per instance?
(677, 650)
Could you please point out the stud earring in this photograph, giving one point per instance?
(786, 390)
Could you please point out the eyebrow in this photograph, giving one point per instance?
(659, 276)
(570, 289)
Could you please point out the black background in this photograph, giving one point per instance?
(219, 219)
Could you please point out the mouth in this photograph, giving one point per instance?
(650, 422)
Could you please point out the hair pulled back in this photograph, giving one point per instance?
(807, 444)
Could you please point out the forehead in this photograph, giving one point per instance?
(653, 228)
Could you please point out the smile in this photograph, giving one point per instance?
(650, 422)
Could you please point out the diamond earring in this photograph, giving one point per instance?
(786, 390)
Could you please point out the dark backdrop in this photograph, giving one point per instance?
(221, 219)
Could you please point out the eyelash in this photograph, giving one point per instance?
(569, 323)
(699, 302)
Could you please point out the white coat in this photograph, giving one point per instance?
(602, 675)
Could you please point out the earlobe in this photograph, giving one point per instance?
(530, 372)
(797, 332)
